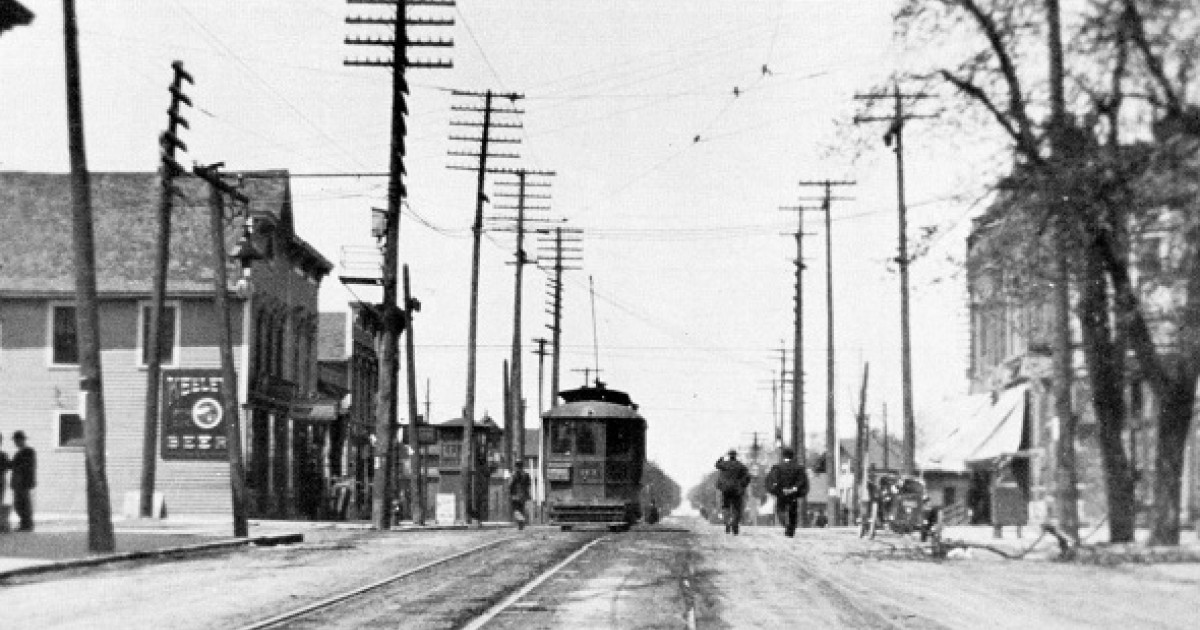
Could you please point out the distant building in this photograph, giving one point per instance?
(284, 423)
(349, 373)
(1004, 438)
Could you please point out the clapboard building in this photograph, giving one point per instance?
(274, 321)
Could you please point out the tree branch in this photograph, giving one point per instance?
(1016, 102)
(1137, 30)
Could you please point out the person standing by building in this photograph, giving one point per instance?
(24, 480)
(789, 483)
(519, 493)
(732, 479)
(5, 464)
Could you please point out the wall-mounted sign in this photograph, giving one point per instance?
(193, 416)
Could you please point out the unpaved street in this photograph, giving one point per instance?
(683, 574)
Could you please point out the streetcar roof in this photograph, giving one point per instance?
(598, 410)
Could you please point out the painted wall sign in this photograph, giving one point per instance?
(193, 416)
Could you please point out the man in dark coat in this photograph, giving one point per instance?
(519, 493)
(732, 479)
(789, 483)
(5, 464)
(24, 479)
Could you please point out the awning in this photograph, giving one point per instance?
(317, 410)
(991, 430)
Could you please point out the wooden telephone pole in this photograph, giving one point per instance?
(156, 336)
(895, 139)
(233, 428)
(796, 434)
(87, 322)
(484, 141)
(388, 315)
(417, 495)
(560, 250)
(831, 447)
(514, 429)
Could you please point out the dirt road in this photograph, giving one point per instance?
(686, 574)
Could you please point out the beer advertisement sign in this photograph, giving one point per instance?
(193, 416)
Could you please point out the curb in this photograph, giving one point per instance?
(62, 565)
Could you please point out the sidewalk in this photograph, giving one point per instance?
(61, 542)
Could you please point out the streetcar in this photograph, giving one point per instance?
(594, 450)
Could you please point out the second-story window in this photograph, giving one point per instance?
(170, 331)
(64, 341)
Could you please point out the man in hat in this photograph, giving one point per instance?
(789, 483)
(519, 493)
(732, 479)
(24, 480)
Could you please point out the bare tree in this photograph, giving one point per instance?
(1097, 190)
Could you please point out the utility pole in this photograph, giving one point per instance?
(417, 496)
(233, 428)
(830, 390)
(541, 355)
(484, 140)
(156, 336)
(516, 399)
(895, 139)
(389, 315)
(87, 316)
(861, 448)
(560, 250)
(797, 409)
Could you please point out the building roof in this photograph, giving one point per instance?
(37, 256)
(484, 423)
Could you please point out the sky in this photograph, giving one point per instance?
(677, 130)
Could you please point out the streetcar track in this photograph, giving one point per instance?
(329, 602)
(513, 598)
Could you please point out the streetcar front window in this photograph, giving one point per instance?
(620, 438)
(585, 438)
(562, 438)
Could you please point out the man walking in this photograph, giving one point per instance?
(789, 483)
(732, 479)
(519, 493)
(5, 464)
(24, 479)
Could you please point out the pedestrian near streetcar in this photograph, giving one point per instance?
(23, 480)
(789, 483)
(5, 464)
(732, 479)
(519, 493)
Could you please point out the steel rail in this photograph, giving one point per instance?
(328, 602)
(504, 604)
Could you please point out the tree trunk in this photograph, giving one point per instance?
(1174, 422)
(1106, 372)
